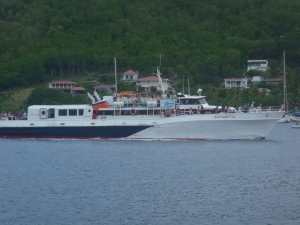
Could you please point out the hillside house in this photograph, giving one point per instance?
(236, 82)
(130, 76)
(261, 65)
(66, 86)
(152, 81)
(108, 88)
(62, 85)
(273, 80)
(256, 80)
(78, 90)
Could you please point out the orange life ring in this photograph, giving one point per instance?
(132, 111)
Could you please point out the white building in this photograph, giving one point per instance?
(261, 65)
(257, 79)
(236, 82)
(129, 76)
(152, 81)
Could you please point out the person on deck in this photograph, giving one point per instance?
(252, 107)
(164, 96)
(115, 96)
(259, 108)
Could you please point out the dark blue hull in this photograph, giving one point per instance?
(71, 132)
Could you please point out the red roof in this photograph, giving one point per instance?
(151, 78)
(63, 82)
(78, 89)
(273, 79)
(104, 86)
(130, 73)
(238, 78)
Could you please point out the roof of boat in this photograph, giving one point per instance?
(78, 106)
(190, 96)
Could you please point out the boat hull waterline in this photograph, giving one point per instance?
(184, 127)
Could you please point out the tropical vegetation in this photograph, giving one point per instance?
(205, 40)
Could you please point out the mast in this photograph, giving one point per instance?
(163, 89)
(116, 82)
(189, 86)
(183, 85)
(285, 102)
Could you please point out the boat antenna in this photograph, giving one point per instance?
(183, 85)
(116, 82)
(159, 61)
(189, 86)
(159, 77)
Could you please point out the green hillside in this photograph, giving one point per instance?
(207, 41)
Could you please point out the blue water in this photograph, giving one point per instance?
(151, 182)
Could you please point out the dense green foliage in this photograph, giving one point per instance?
(206, 40)
(46, 96)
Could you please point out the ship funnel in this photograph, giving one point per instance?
(91, 97)
(97, 96)
(199, 91)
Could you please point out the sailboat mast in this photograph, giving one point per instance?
(183, 86)
(284, 85)
(116, 82)
(189, 86)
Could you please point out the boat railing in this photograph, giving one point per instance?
(262, 109)
(136, 102)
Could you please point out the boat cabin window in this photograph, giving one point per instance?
(193, 101)
(80, 112)
(51, 113)
(110, 112)
(202, 101)
(72, 112)
(62, 112)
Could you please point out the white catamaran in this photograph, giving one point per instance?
(140, 119)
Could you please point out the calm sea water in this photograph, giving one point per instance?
(151, 182)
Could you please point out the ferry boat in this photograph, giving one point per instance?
(163, 120)
(184, 118)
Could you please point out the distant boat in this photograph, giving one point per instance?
(295, 124)
(295, 120)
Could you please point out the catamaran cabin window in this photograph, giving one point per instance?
(62, 112)
(72, 112)
(80, 112)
